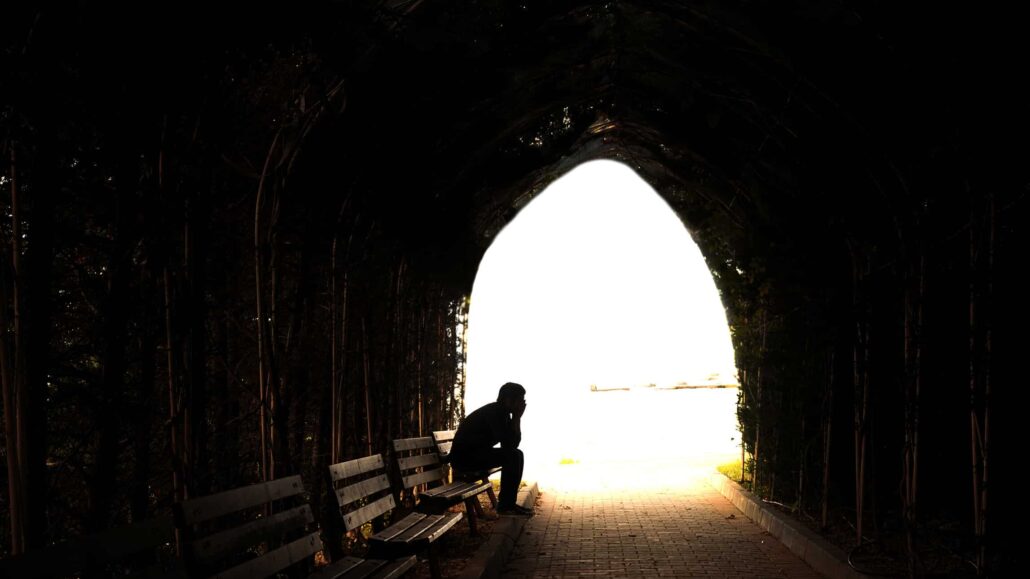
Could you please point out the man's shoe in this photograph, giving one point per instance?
(515, 510)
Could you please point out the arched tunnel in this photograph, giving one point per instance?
(239, 244)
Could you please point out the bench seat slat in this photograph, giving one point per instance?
(456, 492)
(216, 546)
(428, 476)
(354, 568)
(276, 560)
(360, 490)
(337, 568)
(389, 533)
(410, 462)
(355, 467)
(358, 517)
(396, 568)
(470, 475)
(206, 508)
(405, 444)
(429, 529)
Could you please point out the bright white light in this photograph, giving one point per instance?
(595, 282)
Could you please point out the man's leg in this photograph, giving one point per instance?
(511, 462)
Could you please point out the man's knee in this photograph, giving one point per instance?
(515, 456)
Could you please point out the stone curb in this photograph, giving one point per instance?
(489, 560)
(819, 553)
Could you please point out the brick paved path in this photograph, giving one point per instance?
(606, 520)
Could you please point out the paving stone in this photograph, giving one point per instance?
(678, 526)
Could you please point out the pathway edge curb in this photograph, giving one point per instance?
(492, 556)
(819, 553)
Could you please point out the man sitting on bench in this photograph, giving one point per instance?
(473, 447)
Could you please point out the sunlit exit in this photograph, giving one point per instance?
(598, 301)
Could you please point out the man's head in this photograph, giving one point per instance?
(511, 395)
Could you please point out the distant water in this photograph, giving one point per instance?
(690, 426)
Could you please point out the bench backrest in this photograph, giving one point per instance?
(144, 549)
(418, 462)
(222, 530)
(444, 439)
(362, 490)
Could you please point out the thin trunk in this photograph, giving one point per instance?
(861, 400)
(338, 385)
(12, 423)
(396, 343)
(37, 326)
(827, 438)
(17, 305)
(913, 378)
(334, 452)
(139, 492)
(368, 406)
(259, 307)
(758, 405)
(115, 322)
(174, 416)
(196, 357)
(276, 406)
(980, 343)
(989, 322)
(418, 367)
(743, 403)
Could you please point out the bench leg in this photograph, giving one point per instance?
(470, 511)
(434, 563)
(493, 497)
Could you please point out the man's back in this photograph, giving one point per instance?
(481, 430)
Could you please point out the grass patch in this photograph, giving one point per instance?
(568, 461)
(730, 469)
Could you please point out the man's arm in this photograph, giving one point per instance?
(515, 431)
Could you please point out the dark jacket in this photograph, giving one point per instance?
(481, 430)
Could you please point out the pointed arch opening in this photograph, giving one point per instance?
(596, 299)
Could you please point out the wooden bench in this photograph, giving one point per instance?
(145, 549)
(444, 439)
(420, 467)
(259, 530)
(363, 493)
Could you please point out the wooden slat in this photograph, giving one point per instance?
(367, 569)
(395, 568)
(360, 490)
(355, 467)
(398, 528)
(455, 492)
(414, 533)
(448, 522)
(337, 568)
(422, 478)
(475, 475)
(475, 490)
(358, 517)
(206, 508)
(77, 555)
(444, 448)
(403, 444)
(274, 561)
(445, 491)
(237, 539)
(441, 436)
(410, 462)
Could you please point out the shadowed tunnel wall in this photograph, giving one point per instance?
(213, 231)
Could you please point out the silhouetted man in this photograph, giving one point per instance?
(497, 422)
